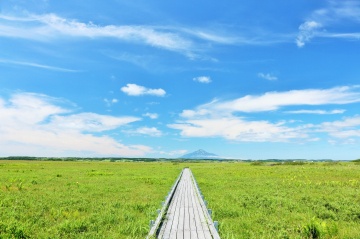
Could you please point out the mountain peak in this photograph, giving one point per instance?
(200, 151)
(200, 154)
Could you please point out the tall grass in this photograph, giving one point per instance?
(318, 200)
(80, 199)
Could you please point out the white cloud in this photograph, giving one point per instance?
(151, 131)
(211, 36)
(34, 124)
(221, 118)
(151, 115)
(137, 90)
(336, 12)
(318, 112)
(188, 41)
(275, 100)
(346, 128)
(238, 129)
(88, 122)
(307, 30)
(195, 113)
(202, 79)
(353, 35)
(267, 76)
(48, 26)
(29, 108)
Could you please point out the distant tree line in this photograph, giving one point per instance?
(109, 159)
(179, 160)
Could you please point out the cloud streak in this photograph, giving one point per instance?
(51, 26)
(316, 112)
(36, 65)
(271, 101)
(188, 41)
(267, 76)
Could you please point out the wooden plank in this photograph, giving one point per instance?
(181, 209)
(187, 209)
(187, 216)
(197, 221)
(210, 223)
(170, 216)
(158, 220)
(165, 229)
(176, 211)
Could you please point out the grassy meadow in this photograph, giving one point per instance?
(44, 199)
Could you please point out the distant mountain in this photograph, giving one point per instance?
(200, 154)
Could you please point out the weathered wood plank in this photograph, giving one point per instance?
(197, 220)
(158, 221)
(187, 209)
(206, 214)
(186, 215)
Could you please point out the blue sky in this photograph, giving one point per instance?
(249, 79)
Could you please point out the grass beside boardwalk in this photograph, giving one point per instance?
(81, 199)
(320, 200)
(117, 200)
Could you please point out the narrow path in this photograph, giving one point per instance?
(186, 216)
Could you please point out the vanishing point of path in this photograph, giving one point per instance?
(185, 215)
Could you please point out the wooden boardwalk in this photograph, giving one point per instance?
(184, 215)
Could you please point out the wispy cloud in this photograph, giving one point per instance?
(343, 129)
(138, 90)
(188, 41)
(238, 129)
(150, 131)
(88, 122)
(34, 124)
(307, 30)
(202, 79)
(36, 65)
(336, 13)
(267, 76)
(355, 35)
(143, 61)
(151, 115)
(317, 112)
(49, 26)
(275, 100)
(211, 36)
(110, 102)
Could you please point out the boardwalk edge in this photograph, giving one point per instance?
(154, 225)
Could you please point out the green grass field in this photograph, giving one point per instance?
(117, 200)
